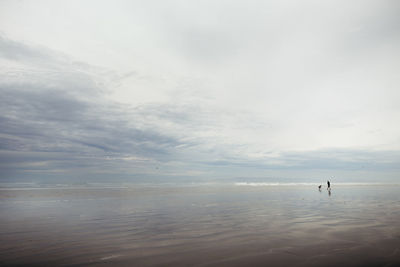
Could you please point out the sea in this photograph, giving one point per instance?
(200, 224)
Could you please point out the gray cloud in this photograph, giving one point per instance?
(47, 126)
(46, 129)
(13, 50)
(210, 89)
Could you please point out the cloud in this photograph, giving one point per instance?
(17, 51)
(50, 123)
(210, 89)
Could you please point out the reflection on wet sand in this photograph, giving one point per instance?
(202, 226)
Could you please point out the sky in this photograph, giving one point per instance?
(199, 90)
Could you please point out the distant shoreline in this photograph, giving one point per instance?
(314, 184)
(116, 186)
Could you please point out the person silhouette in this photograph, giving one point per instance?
(329, 185)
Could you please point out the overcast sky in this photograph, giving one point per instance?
(144, 90)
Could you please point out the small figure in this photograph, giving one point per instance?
(329, 185)
(319, 188)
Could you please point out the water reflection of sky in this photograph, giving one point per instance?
(131, 220)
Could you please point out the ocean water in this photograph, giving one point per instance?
(237, 224)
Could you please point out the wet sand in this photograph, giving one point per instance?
(214, 225)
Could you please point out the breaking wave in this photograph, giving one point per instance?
(308, 184)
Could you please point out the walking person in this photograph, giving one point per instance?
(329, 185)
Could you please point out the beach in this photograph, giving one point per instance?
(201, 225)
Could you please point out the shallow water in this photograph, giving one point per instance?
(207, 225)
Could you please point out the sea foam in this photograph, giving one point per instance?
(310, 184)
